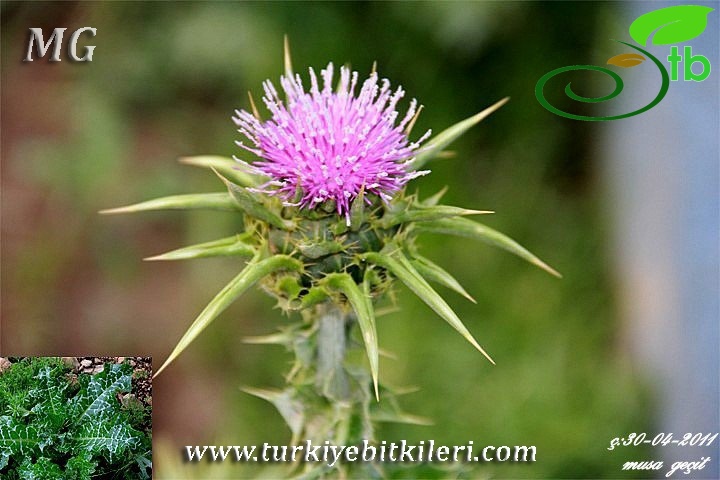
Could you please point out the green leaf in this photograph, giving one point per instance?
(436, 144)
(227, 166)
(192, 201)
(49, 397)
(361, 303)
(233, 246)
(673, 24)
(144, 464)
(433, 272)
(98, 426)
(97, 397)
(81, 465)
(43, 469)
(463, 227)
(104, 438)
(254, 271)
(400, 267)
(251, 205)
(291, 409)
(17, 439)
(425, 214)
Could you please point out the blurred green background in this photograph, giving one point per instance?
(164, 80)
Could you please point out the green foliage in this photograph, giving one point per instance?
(49, 430)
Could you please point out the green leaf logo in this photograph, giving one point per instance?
(672, 24)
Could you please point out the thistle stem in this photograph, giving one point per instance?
(332, 381)
(330, 391)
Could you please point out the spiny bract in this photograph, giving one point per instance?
(326, 218)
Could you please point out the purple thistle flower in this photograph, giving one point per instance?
(329, 145)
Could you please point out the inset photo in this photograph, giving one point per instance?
(75, 418)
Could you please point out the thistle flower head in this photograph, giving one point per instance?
(326, 145)
(336, 148)
(331, 148)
